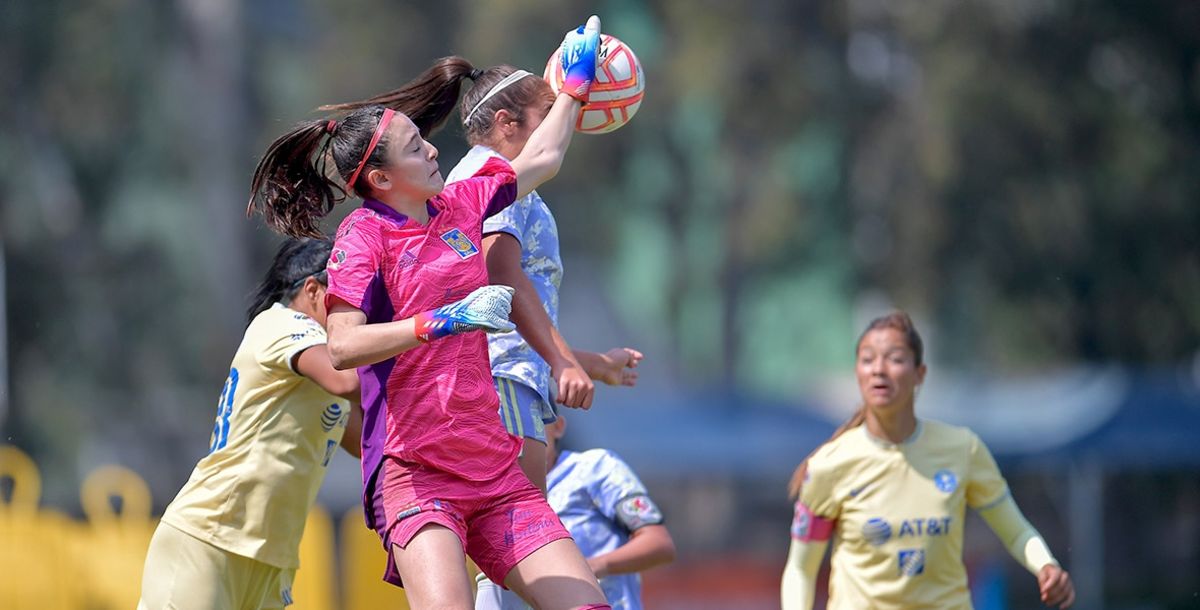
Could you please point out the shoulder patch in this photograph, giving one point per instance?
(638, 511)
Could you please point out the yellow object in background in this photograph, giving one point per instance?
(35, 553)
(51, 562)
(312, 587)
(111, 547)
(363, 562)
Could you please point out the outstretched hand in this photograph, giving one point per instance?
(485, 309)
(619, 367)
(578, 56)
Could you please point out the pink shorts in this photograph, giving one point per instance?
(499, 522)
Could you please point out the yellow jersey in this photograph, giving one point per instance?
(898, 514)
(274, 434)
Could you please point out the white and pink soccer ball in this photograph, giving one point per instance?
(617, 91)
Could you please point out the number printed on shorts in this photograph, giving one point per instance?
(220, 435)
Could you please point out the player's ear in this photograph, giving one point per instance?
(379, 179)
(921, 370)
(505, 122)
(312, 288)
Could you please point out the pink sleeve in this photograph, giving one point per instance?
(491, 189)
(354, 263)
(807, 527)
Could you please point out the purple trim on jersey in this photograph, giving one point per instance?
(373, 381)
(391, 213)
(505, 196)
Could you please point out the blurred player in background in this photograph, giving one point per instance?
(231, 538)
(891, 490)
(611, 517)
(407, 290)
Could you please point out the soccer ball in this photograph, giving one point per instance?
(617, 91)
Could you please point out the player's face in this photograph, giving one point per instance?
(412, 169)
(532, 118)
(887, 370)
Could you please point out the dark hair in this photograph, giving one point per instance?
(295, 261)
(449, 71)
(897, 320)
(428, 99)
(292, 187)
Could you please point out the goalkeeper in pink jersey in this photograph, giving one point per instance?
(407, 290)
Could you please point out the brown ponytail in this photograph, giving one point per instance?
(428, 99)
(897, 320)
(292, 191)
(292, 187)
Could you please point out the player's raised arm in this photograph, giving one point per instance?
(543, 154)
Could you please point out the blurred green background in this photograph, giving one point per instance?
(1023, 176)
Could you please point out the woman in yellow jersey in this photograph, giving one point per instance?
(230, 539)
(891, 490)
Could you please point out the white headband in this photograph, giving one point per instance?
(508, 80)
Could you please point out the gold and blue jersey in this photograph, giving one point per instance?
(274, 434)
(897, 513)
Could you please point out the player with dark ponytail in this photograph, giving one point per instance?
(407, 290)
(231, 537)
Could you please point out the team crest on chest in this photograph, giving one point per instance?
(460, 243)
(945, 481)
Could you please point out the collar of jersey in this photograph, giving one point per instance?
(390, 213)
(886, 444)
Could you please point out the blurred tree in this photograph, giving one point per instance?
(1018, 173)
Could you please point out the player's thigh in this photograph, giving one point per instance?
(184, 573)
(555, 577)
(433, 567)
(533, 463)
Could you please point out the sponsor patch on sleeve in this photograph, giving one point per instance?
(638, 511)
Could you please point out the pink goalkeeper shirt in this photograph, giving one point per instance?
(435, 404)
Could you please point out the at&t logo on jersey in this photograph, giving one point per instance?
(333, 416)
(460, 243)
(878, 531)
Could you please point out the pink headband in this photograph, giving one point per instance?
(388, 113)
